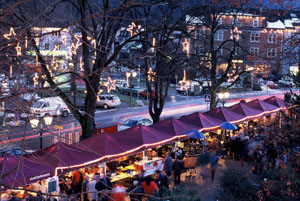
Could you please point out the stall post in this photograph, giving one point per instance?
(105, 169)
(143, 159)
(175, 150)
(280, 119)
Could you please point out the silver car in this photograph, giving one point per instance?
(107, 101)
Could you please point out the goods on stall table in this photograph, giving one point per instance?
(149, 166)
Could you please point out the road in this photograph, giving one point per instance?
(173, 108)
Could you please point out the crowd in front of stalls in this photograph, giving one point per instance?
(266, 141)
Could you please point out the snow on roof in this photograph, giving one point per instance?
(288, 23)
(275, 25)
(293, 15)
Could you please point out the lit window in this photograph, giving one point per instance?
(272, 38)
(254, 37)
(219, 36)
(271, 52)
(255, 22)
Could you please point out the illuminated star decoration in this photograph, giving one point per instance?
(19, 50)
(133, 29)
(186, 46)
(150, 75)
(36, 79)
(78, 38)
(11, 33)
(235, 33)
(183, 83)
(110, 84)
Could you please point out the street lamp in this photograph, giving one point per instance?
(223, 96)
(129, 77)
(35, 123)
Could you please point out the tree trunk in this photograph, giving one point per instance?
(213, 99)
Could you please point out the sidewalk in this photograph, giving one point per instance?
(206, 189)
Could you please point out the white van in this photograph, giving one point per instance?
(49, 106)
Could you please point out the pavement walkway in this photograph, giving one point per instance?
(207, 190)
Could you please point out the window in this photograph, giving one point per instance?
(254, 37)
(70, 138)
(272, 52)
(254, 51)
(219, 35)
(220, 21)
(46, 46)
(237, 22)
(272, 38)
(255, 22)
(199, 33)
(199, 50)
(220, 51)
(237, 51)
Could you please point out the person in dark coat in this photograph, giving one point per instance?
(168, 164)
(178, 167)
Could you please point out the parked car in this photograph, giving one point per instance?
(286, 83)
(134, 121)
(120, 84)
(188, 87)
(108, 101)
(15, 151)
(30, 97)
(272, 85)
(49, 106)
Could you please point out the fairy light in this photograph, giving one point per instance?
(153, 44)
(18, 49)
(78, 42)
(73, 48)
(36, 60)
(55, 66)
(81, 64)
(10, 34)
(37, 40)
(186, 46)
(151, 75)
(26, 42)
(110, 84)
(99, 92)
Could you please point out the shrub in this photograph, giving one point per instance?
(234, 186)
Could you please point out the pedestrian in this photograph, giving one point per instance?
(168, 164)
(149, 186)
(101, 186)
(163, 183)
(118, 193)
(178, 167)
(213, 165)
(84, 188)
(91, 189)
(136, 191)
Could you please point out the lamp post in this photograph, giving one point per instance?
(130, 76)
(36, 123)
(223, 96)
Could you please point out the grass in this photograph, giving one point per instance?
(126, 99)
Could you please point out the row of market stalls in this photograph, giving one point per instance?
(61, 158)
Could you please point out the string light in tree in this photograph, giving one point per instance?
(151, 75)
(99, 92)
(81, 64)
(153, 44)
(64, 40)
(10, 72)
(133, 29)
(78, 42)
(36, 60)
(26, 42)
(186, 46)
(111, 84)
(19, 50)
(37, 40)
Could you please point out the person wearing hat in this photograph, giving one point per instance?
(91, 189)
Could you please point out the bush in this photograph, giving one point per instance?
(280, 184)
(177, 194)
(234, 186)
